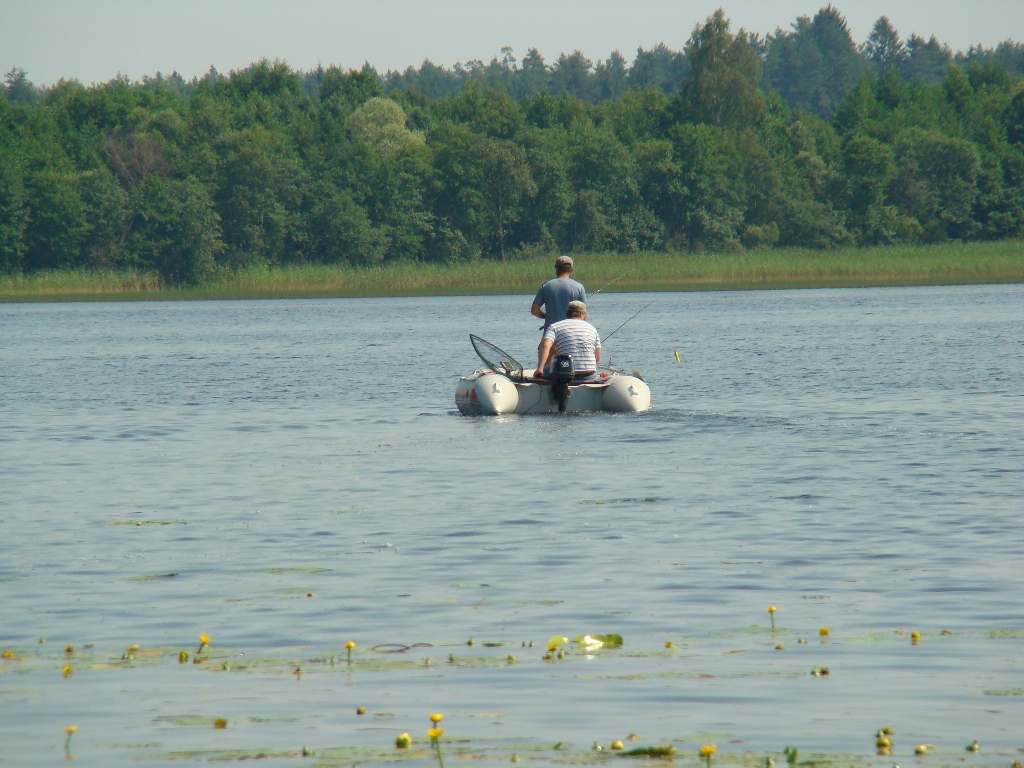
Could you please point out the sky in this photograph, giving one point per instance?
(96, 40)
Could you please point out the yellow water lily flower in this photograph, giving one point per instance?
(70, 729)
(437, 717)
(435, 733)
(707, 750)
(823, 631)
(403, 741)
(67, 670)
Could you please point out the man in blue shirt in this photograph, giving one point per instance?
(554, 296)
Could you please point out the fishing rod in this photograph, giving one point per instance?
(613, 281)
(645, 306)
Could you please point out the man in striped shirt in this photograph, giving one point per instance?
(573, 336)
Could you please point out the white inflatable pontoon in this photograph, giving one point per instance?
(504, 387)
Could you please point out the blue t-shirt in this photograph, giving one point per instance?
(555, 296)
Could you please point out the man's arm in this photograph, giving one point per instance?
(536, 311)
(597, 354)
(543, 354)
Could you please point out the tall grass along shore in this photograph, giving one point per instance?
(947, 264)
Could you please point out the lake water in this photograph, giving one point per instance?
(286, 476)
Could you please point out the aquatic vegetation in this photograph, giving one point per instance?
(67, 671)
(435, 735)
(662, 750)
(949, 263)
(348, 651)
(204, 640)
(594, 642)
(706, 751)
(710, 658)
(152, 577)
(70, 731)
(403, 741)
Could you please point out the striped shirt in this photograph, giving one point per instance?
(577, 338)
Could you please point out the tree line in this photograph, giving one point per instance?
(799, 138)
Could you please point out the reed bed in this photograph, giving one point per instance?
(951, 263)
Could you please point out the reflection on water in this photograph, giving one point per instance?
(286, 476)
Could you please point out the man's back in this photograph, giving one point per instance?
(578, 338)
(555, 295)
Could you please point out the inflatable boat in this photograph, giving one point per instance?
(505, 387)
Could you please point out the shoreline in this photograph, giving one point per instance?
(998, 262)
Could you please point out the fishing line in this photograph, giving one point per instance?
(645, 306)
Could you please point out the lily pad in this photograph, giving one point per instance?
(662, 750)
(593, 642)
(152, 577)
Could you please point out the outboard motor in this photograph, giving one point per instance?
(562, 371)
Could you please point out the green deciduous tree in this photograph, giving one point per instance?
(938, 184)
(507, 180)
(723, 86)
(13, 216)
(175, 232)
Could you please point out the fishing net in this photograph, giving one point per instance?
(496, 359)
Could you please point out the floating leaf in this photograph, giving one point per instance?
(662, 750)
(152, 577)
(593, 642)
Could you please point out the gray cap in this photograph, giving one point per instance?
(563, 261)
(576, 306)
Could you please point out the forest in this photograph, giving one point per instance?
(737, 142)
